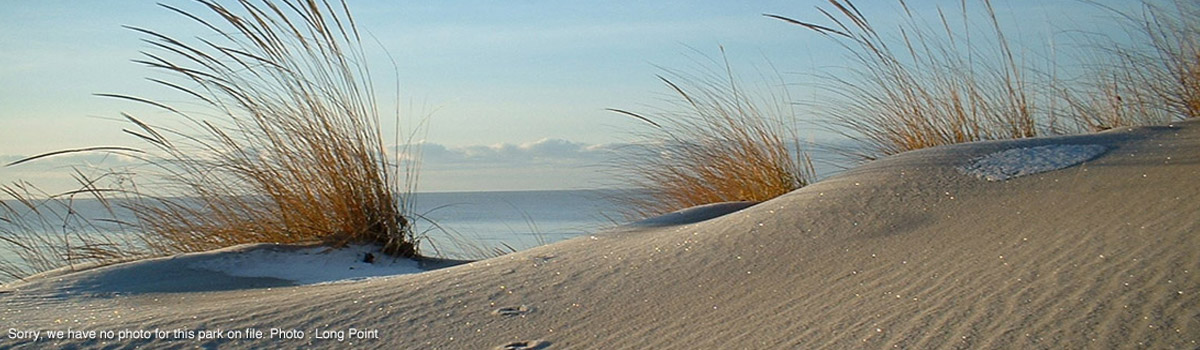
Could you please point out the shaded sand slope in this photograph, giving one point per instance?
(906, 252)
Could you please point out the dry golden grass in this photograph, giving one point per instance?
(295, 152)
(1110, 99)
(1153, 80)
(927, 87)
(286, 147)
(719, 143)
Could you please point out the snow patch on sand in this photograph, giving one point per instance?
(1017, 162)
(311, 265)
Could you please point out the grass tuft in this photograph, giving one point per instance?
(285, 146)
(289, 149)
(717, 143)
(928, 87)
(1152, 80)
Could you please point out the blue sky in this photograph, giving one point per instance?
(515, 92)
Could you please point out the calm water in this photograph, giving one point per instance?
(484, 220)
(520, 219)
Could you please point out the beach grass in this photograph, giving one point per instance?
(717, 142)
(45, 231)
(290, 148)
(1152, 79)
(929, 85)
(281, 143)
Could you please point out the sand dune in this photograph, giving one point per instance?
(906, 252)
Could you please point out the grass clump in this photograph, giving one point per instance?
(290, 149)
(1151, 80)
(281, 144)
(930, 87)
(718, 142)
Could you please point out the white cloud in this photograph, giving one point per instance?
(544, 164)
(544, 151)
(549, 163)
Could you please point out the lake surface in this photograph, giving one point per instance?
(519, 219)
(464, 224)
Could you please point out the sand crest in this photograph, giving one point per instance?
(905, 252)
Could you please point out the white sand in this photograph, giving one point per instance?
(311, 265)
(906, 252)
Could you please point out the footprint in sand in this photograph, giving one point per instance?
(525, 345)
(512, 311)
(519, 345)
